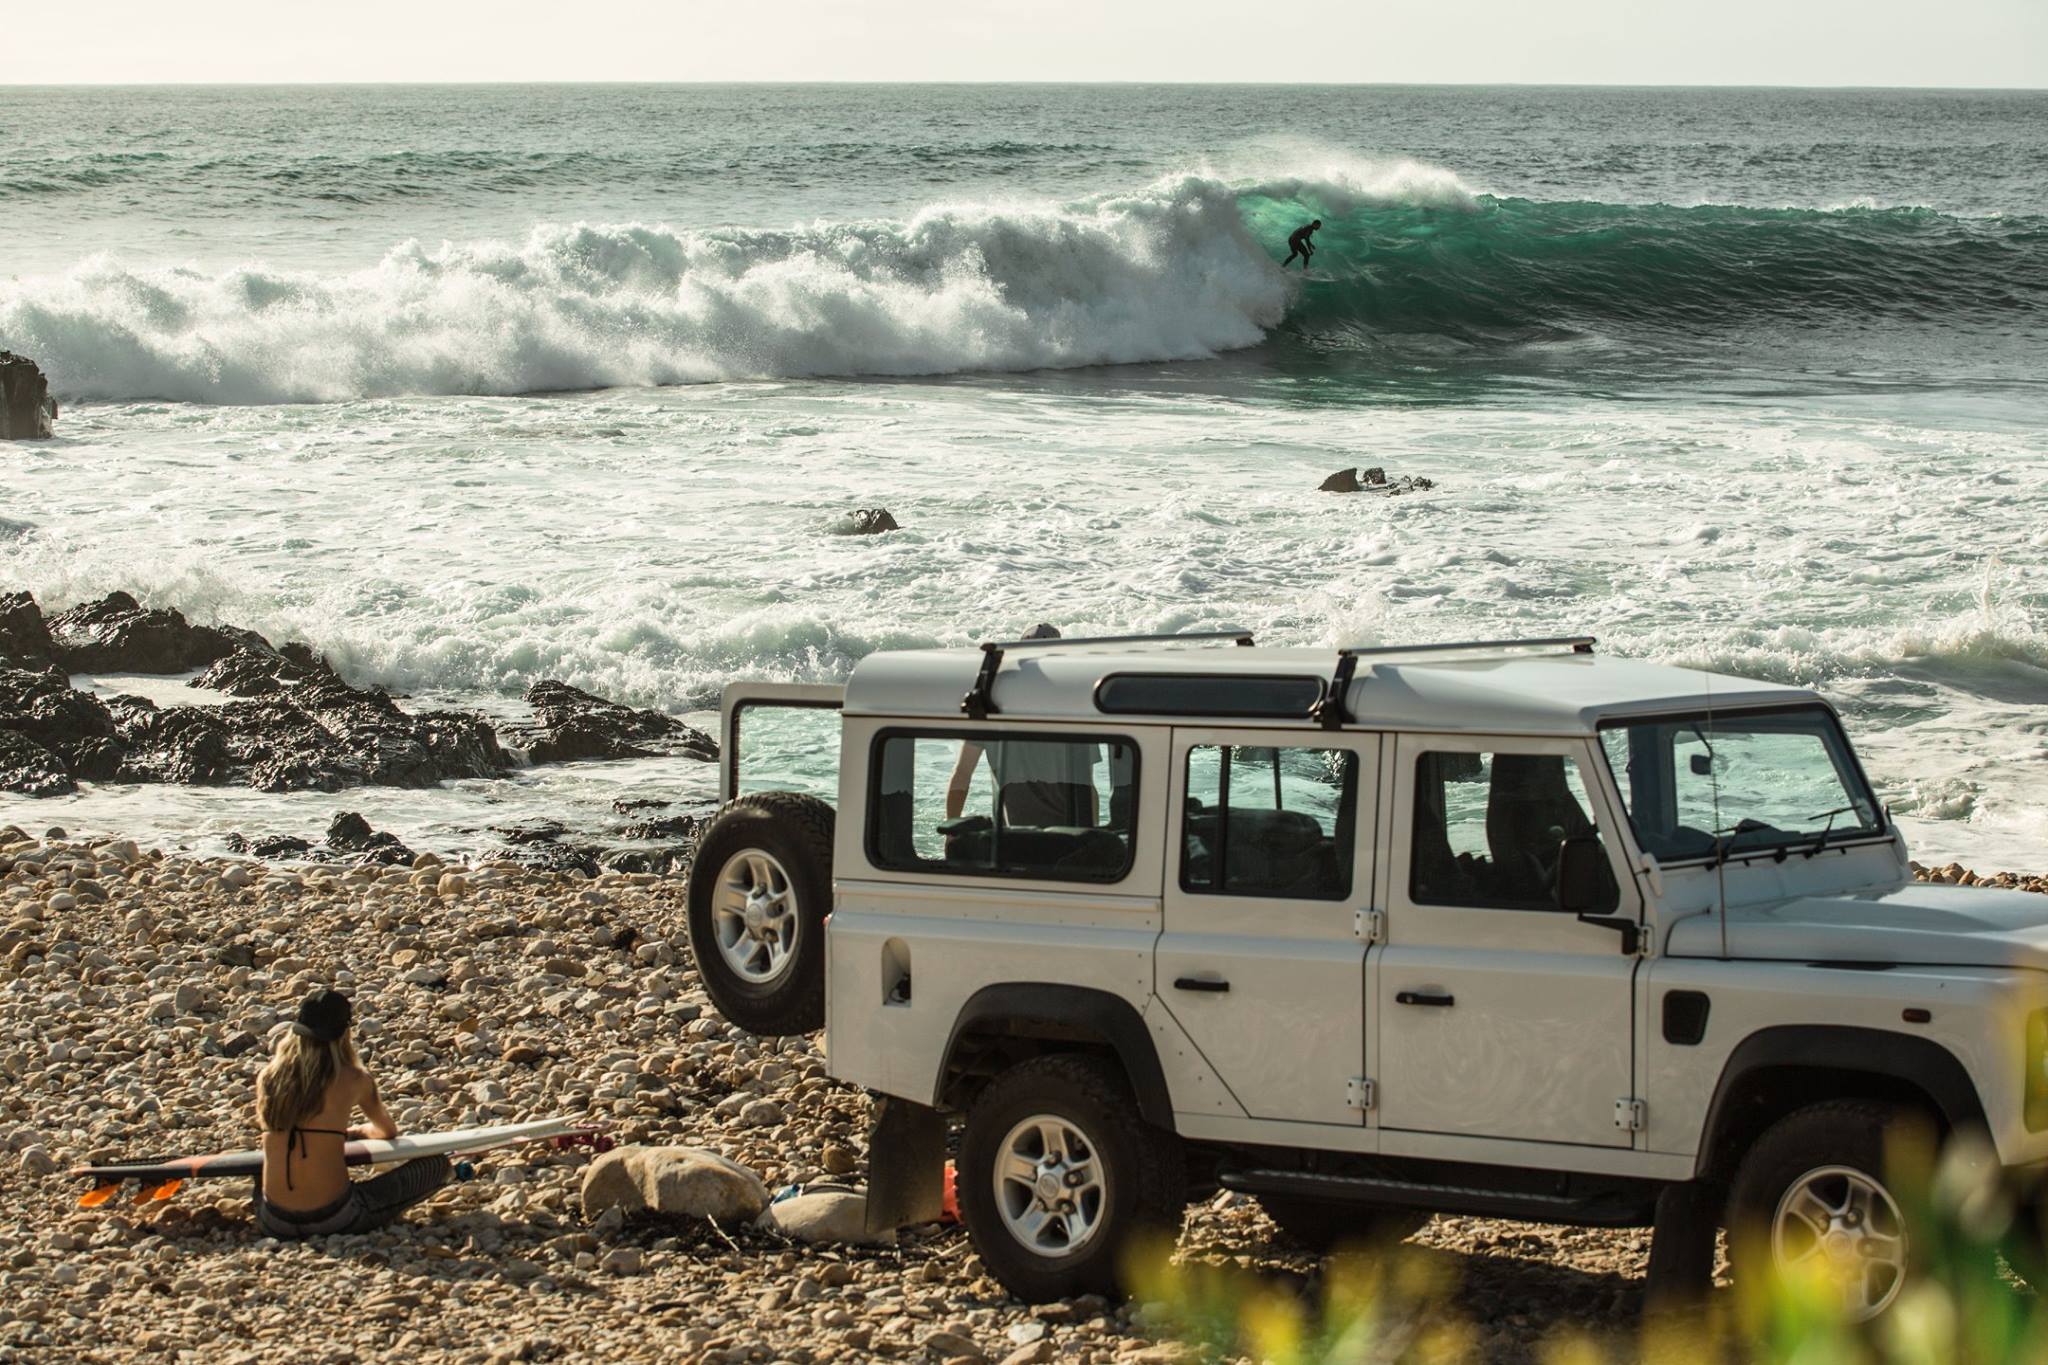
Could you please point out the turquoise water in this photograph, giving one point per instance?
(470, 386)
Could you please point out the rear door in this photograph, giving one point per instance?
(779, 737)
(1261, 962)
(1497, 1015)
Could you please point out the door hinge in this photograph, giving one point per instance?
(1630, 1115)
(1358, 1093)
(1370, 926)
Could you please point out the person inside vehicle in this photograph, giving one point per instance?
(1037, 784)
(1298, 244)
(305, 1097)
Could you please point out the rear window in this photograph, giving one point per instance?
(993, 804)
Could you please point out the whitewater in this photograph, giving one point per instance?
(591, 400)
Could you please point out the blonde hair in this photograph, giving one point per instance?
(294, 1084)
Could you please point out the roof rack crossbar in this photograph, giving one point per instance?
(1577, 644)
(979, 703)
(1238, 637)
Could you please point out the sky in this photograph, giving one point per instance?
(1632, 42)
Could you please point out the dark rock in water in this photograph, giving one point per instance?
(24, 636)
(253, 671)
(637, 804)
(183, 744)
(1372, 480)
(118, 635)
(867, 521)
(28, 769)
(540, 846)
(573, 724)
(27, 412)
(76, 728)
(673, 827)
(280, 846)
(351, 833)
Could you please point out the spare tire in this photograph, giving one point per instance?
(760, 887)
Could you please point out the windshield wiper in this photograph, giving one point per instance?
(1724, 845)
(1820, 841)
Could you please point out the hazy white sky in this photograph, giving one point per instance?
(1774, 42)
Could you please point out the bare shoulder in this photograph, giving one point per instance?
(359, 1082)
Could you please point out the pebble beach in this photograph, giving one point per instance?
(137, 990)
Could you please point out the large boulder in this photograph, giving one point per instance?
(28, 769)
(572, 724)
(683, 1182)
(867, 521)
(349, 833)
(823, 1216)
(75, 727)
(117, 634)
(24, 635)
(27, 412)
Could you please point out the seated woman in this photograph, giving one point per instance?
(304, 1100)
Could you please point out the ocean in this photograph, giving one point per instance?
(471, 386)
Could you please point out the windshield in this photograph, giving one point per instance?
(1729, 784)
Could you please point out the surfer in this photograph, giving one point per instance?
(1298, 244)
(305, 1098)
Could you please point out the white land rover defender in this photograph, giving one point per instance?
(1509, 929)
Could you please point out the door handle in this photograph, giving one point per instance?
(1199, 983)
(1424, 998)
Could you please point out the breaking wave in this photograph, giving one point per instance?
(1185, 268)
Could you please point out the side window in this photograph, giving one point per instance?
(1269, 822)
(1487, 829)
(992, 805)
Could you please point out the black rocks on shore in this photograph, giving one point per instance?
(866, 521)
(571, 724)
(27, 412)
(295, 724)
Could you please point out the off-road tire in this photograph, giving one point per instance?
(796, 831)
(1325, 1225)
(1144, 1175)
(1850, 1134)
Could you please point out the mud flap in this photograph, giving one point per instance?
(1681, 1274)
(906, 1165)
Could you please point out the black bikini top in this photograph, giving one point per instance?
(298, 1134)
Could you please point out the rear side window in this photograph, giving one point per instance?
(1055, 808)
(1488, 827)
(1276, 821)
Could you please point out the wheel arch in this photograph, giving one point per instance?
(1006, 1022)
(1777, 1070)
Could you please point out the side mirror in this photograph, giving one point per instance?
(1580, 886)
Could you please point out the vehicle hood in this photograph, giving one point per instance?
(1920, 924)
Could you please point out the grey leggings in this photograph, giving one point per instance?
(365, 1206)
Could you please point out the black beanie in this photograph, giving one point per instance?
(324, 1016)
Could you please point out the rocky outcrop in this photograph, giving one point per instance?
(27, 412)
(867, 521)
(1372, 480)
(117, 634)
(572, 724)
(76, 729)
(28, 769)
(24, 635)
(350, 834)
(681, 1182)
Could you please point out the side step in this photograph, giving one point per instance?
(1605, 1206)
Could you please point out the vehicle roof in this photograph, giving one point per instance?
(1514, 693)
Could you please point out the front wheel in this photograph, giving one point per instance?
(760, 886)
(1813, 1199)
(1060, 1180)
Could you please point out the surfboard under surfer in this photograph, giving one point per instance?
(1298, 244)
(305, 1097)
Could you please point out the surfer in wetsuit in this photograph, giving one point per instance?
(1298, 244)
(305, 1098)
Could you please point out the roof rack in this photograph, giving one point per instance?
(1329, 710)
(979, 703)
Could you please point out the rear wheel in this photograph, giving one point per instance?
(1324, 1226)
(760, 886)
(1060, 1180)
